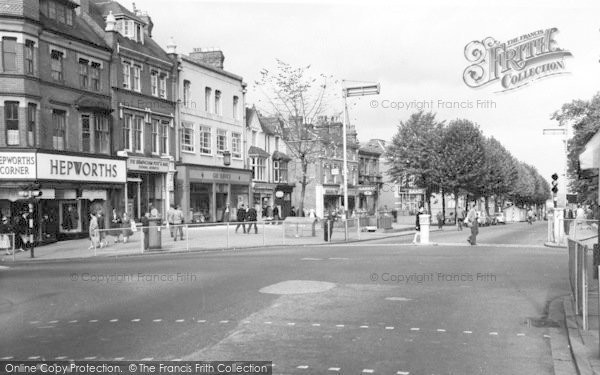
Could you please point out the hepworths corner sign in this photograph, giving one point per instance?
(515, 63)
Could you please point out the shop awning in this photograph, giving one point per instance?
(93, 195)
(278, 155)
(257, 151)
(13, 194)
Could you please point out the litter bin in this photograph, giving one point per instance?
(154, 234)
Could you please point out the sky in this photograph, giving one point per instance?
(415, 50)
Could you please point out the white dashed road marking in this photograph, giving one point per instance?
(224, 321)
(403, 373)
(147, 359)
(202, 321)
(415, 329)
(180, 321)
(441, 330)
(119, 358)
(520, 334)
(157, 320)
(135, 320)
(90, 358)
(93, 321)
(53, 322)
(34, 322)
(364, 326)
(339, 325)
(34, 357)
(493, 333)
(302, 367)
(389, 328)
(368, 371)
(467, 331)
(114, 320)
(61, 357)
(316, 325)
(7, 358)
(291, 324)
(73, 321)
(333, 369)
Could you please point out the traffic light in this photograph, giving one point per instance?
(555, 183)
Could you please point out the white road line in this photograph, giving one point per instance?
(368, 371)
(493, 333)
(53, 322)
(7, 358)
(147, 359)
(403, 373)
(316, 325)
(73, 321)
(415, 329)
(246, 322)
(157, 320)
(441, 330)
(180, 321)
(268, 322)
(467, 331)
(202, 321)
(61, 357)
(90, 358)
(34, 357)
(224, 321)
(291, 324)
(364, 326)
(93, 321)
(390, 328)
(333, 369)
(114, 320)
(34, 322)
(135, 320)
(177, 360)
(546, 336)
(520, 334)
(119, 358)
(311, 259)
(339, 325)
(302, 367)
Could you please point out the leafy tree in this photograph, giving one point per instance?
(297, 100)
(499, 174)
(415, 151)
(584, 116)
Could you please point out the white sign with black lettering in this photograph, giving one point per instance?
(17, 166)
(76, 168)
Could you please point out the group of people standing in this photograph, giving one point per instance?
(249, 216)
(469, 220)
(120, 229)
(21, 229)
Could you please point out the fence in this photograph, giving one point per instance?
(214, 236)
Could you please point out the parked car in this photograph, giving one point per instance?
(483, 219)
(499, 218)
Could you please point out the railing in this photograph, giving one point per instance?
(581, 235)
(215, 236)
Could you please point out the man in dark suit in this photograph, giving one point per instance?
(145, 225)
(251, 217)
(241, 217)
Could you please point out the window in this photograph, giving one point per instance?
(138, 134)
(69, 16)
(126, 75)
(163, 86)
(186, 93)
(276, 174)
(11, 118)
(221, 141)
(154, 82)
(127, 133)
(164, 137)
(276, 143)
(96, 76)
(236, 145)
(155, 136)
(254, 133)
(126, 27)
(59, 121)
(280, 171)
(136, 78)
(102, 135)
(86, 134)
(218, 102)
(56, 62)
(9, 54)
(83, 73)
(138, 32)
(29, 50)
(236, 114)
(31, 121)
(60, 13)
(205, 140)
(187, 137)
(258, 169)
(207, 98)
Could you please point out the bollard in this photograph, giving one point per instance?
(424, 233)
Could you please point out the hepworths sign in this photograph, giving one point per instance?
(76, 168)
(515, 63)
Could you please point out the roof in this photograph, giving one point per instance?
(211, 67)
(270, 125)
(79, 31)
(278, 155)
(100, 9)
(117, 9)
(257, 151)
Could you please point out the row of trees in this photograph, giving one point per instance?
(456, 158)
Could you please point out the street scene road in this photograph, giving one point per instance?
(383, 307)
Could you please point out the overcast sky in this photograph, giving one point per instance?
(414, 49)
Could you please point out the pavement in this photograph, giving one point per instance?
(202, 238)
(383, 306)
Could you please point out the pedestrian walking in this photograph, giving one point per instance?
(473, 224)
(170, 214)
(530, 216)
(93, 231)
(101, 231)
(440, 220)
(331, 218)
(418, 225)
(145, 230)
(276, 213)
(115, 225)
(251, 217)
(241, 217)
(5, 235)
(178, 223)
(460, 218)
(226, 214)
(126, 231)
(23, 231)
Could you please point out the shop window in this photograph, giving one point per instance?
(236, 145)
(102, 135)
(69, 218)
(31, 123)
(86, 134)
(205, 140)
(59, 121)
(221, 141)
(11, 120)
(187, 137)
(56, 64)
(29, 51)
(9, 54)
(164, 137)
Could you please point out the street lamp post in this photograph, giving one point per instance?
(370, 89)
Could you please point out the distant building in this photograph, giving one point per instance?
(370, 180)
(212, 168)
(268, 160)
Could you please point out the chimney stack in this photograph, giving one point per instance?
(213, 57)
(84, 7)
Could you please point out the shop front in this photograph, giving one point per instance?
(283, 199)
(368, 197)
(263, 196)
(71, 188)
(332, 198)
(147, 186)
(204, 191)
